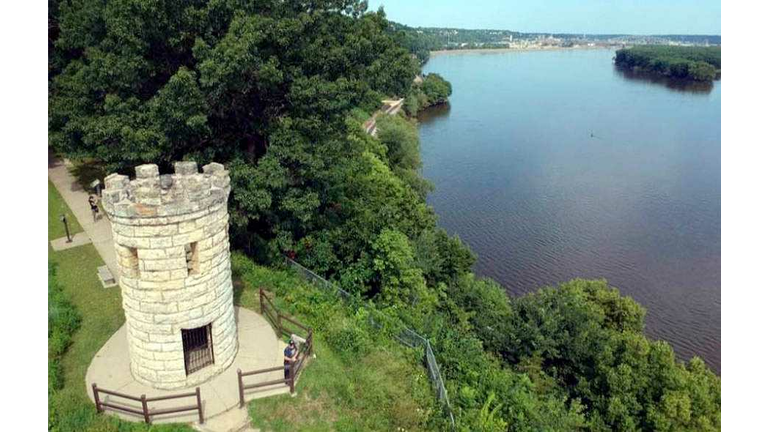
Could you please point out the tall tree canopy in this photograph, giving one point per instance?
(587, 340)
(265, 86)
(160, 80)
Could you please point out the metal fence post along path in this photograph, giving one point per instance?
(405, 335)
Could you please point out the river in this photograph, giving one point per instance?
(553, 165)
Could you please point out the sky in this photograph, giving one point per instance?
(560, 16)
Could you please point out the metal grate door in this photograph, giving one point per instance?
(198, 348)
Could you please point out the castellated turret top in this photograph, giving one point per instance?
(153, 195)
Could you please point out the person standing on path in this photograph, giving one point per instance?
(289, 357)
(94, 207)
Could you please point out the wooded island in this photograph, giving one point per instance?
(691, 63)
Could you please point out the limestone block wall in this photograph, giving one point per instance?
(171, 238)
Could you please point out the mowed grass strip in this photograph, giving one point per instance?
(56, 208)
(101, 308)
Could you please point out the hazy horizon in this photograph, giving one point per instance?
(629, 17)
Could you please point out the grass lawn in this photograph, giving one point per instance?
(334, 393)
(57, 207)
(102, 314)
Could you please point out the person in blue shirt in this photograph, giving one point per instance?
(290, 354)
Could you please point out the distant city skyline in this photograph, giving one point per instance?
(640, 17)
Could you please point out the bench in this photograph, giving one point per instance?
(106, 277)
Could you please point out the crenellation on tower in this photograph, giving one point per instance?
(152, 194)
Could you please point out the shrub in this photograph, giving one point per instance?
(588, 339)
(402, 140)
(411, 105)
(436, 89)
(63, 321)
(63, 318)
(702, 71)
(433, 90)
(347, 338)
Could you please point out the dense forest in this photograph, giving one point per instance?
(694, 63)
(276, 90)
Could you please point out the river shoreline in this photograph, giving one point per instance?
(501, 50)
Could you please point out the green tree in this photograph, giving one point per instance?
(402, 141)
(436, 89)
(473, 374)
(432, 90)
(488, 419)
(265, 87)
(702, 71)
(589, 339)
(402, 283)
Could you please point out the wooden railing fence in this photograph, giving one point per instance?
(145, 411)
(277, 319)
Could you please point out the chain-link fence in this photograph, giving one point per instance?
(404, 335)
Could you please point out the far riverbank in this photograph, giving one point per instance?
(501, 50)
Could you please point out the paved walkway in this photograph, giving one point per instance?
(259, 348)
(392, 107)
(78, 239)
(100, 232)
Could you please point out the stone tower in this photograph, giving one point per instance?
(172, 245)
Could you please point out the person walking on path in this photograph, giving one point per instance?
(94, 207)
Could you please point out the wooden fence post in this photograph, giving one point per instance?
(240, 387)
(292, 375)
(199, 405)
(144, 408)
(261, 300)
(96, 398)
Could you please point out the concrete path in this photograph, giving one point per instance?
(234, 420)
(100, 232)
(391, 107)
(78, 239)
(259, 348)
